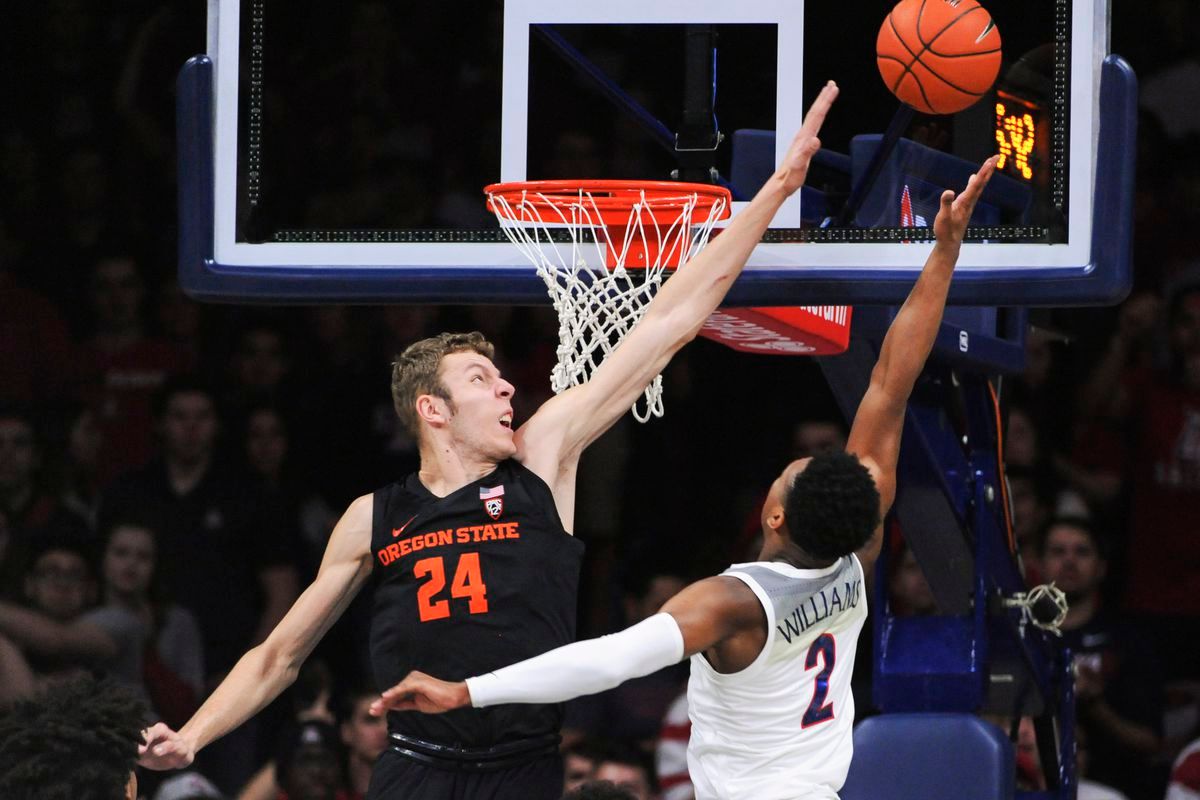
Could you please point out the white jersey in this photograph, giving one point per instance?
(781, 728)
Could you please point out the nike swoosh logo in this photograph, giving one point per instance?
(397, 531)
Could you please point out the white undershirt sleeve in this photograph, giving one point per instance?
(586, 667)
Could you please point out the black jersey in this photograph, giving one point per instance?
(466, 584)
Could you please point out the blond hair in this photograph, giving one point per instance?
(416, 371)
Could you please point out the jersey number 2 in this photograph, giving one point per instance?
(825, 649)
(468, 582)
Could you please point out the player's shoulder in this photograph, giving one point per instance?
(361, 511)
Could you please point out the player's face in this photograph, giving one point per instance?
(129, 560)
(1071, 561)
(481, 405)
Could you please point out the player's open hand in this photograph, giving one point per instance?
(163, 748)
(955, 213)
(424, 693)
(794, 168)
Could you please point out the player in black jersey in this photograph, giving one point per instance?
(473, 558)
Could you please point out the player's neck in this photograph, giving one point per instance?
(445, 470)
(790, 553)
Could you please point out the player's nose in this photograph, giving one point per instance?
(505, 389)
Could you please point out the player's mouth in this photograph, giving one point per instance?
(506, 420)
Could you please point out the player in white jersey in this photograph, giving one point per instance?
(771, 642)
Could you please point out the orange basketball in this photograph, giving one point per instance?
(938, 56)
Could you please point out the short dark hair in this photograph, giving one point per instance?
(1082, 524)
(77, 740)
(417, 371)
(832, 507)
(183, 383)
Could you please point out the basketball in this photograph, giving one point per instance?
(938, 56)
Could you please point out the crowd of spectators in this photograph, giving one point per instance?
(170, 471)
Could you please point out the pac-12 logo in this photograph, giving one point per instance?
(493, 500)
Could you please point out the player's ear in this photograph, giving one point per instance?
(433, 410)
(773, 516)
(131, 787)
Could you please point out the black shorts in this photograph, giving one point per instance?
(398, 776)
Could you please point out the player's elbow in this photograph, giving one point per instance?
(275, 663)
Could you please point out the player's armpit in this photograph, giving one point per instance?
(712, 610)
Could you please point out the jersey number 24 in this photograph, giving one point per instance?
(467, 583)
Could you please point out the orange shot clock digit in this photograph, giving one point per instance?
(1021, 136)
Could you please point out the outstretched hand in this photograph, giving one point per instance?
(163, 748)
(424, 693)
(794, 167)
(955, 212)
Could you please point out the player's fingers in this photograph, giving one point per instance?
(947, 199)
(820, 107)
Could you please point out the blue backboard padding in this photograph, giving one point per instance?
(1105, 281)
(930, 757)
(926, 172)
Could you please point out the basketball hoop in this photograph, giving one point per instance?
(601, 247)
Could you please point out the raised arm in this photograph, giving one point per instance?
(700, 617)
(266, 670)
(875, 432)
(568, 423)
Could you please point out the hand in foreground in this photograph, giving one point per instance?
(794, 167)
(424, 693)
(955, 212)
(163, 748)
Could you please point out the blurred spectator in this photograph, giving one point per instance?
(629, 769)
(308, 761)
(908, 590)
(82, 465)
(160, 643)
(670, 756)
(579, 764)
(634, 710)
(267, 448)
(259, 367)
(1032, 495)
(365, 738)
(815, 437)
(126, 367)
(1118, 685)
(1161, 411)
(181, 320)
(224, 551)
(149, 646)
(31, 509)
(1185, 774)
(36, 355)
(59, 587)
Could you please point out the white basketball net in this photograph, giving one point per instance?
(597, 305)
(1037, 596)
